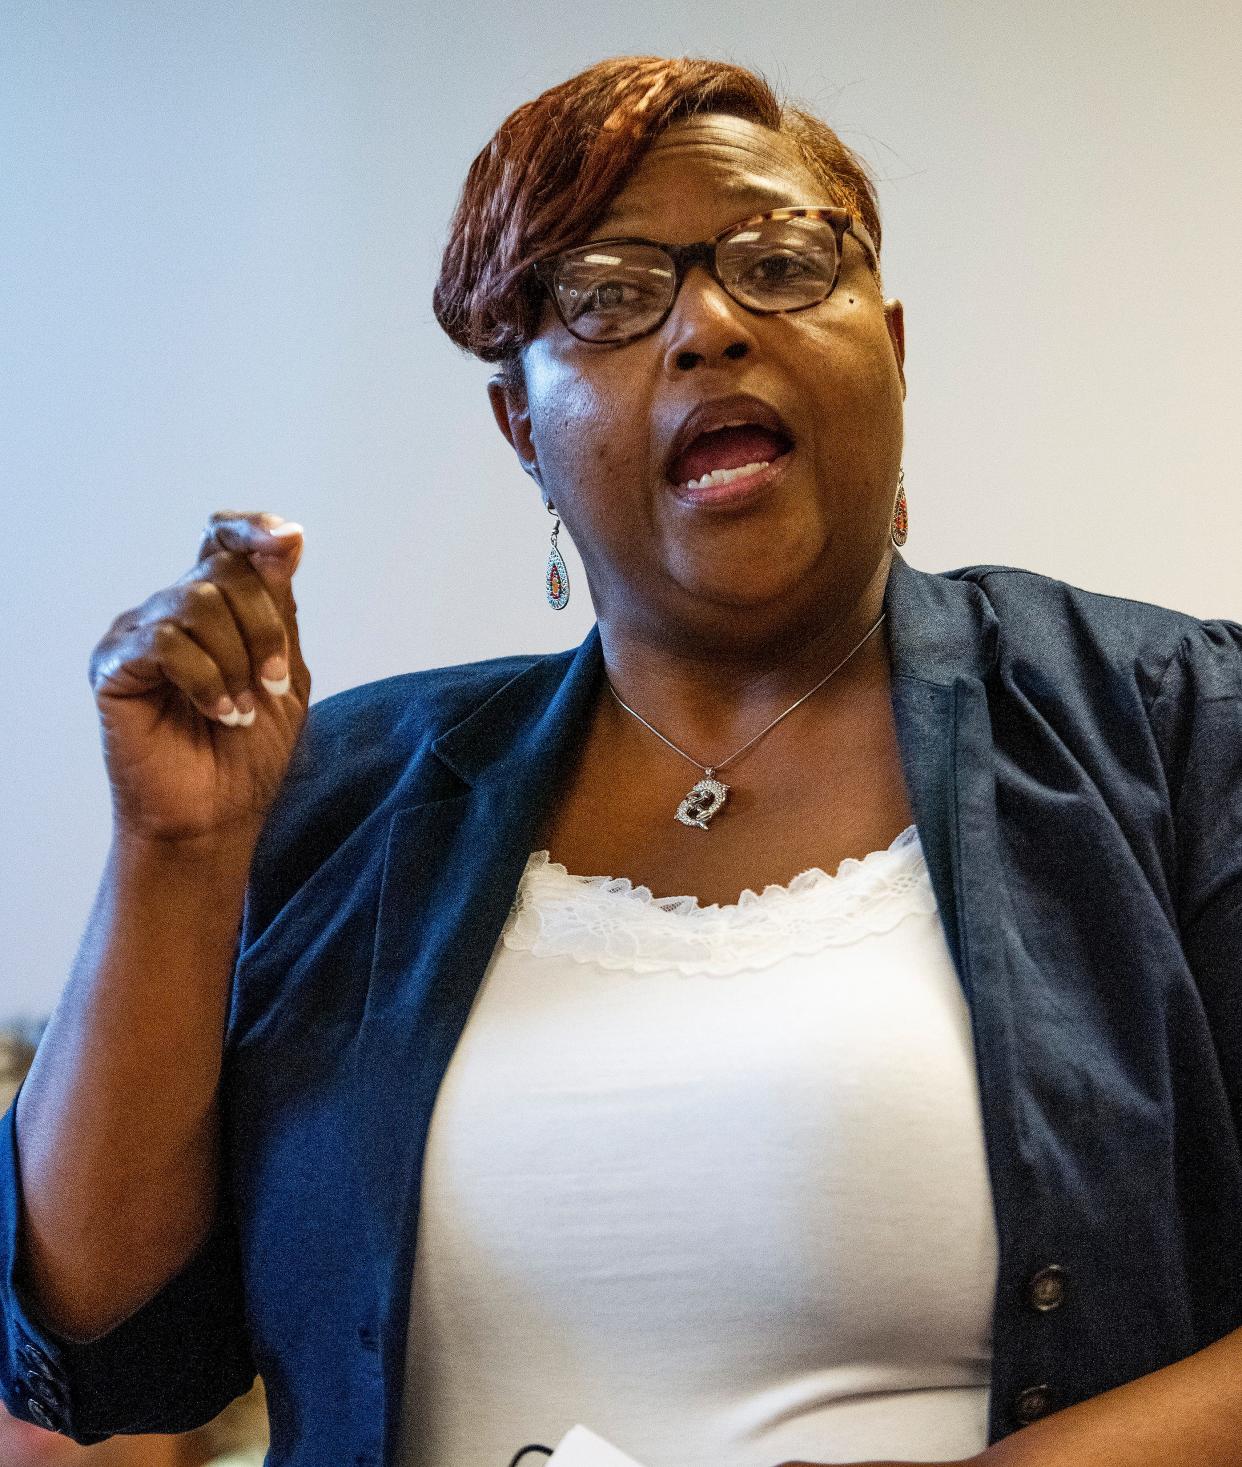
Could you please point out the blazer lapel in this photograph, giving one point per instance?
(942, 642)
(451, 870)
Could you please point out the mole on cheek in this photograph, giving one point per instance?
(608, 450)
(603, 454)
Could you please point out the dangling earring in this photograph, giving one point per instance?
(901, 524)
(556, 581)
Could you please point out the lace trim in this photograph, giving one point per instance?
(609, 921)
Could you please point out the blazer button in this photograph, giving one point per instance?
(39, 1414)
(1032, 1403)
(1046, 1289)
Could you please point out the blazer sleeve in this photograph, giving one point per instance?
(186, 1353)
(172, 1365)
(1198, 718)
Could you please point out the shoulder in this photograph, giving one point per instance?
(379, 733)
(1047, 624)
(394, 716)
(363, 753)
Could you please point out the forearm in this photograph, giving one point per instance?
(117, 1124)
(1186, 1413)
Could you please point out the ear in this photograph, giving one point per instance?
(512, 414)
(895, 320)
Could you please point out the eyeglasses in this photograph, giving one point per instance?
(616, 290)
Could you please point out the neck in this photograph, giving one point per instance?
(711, 695)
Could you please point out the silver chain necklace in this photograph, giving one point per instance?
(709, 794)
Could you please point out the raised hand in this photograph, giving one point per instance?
(202, 690)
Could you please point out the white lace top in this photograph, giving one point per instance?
(609, 921)
(709, 1180)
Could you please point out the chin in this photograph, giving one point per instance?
(750, 611)
(772, 573)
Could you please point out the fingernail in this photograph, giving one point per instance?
(274, 675)
(245, 703)
(290, 527)
(244, 720)
(226, 711)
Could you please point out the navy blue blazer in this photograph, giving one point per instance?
(1074, 763)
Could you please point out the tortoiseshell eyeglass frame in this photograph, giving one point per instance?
(704, 253)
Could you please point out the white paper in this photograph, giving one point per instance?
(582, 1448)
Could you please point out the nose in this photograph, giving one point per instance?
(705, 327)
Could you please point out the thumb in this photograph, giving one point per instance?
(266, 538)
(272, 545)
(279, 553)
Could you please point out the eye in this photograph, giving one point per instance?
(607, 295)
(778, 269)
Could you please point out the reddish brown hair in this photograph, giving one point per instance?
(555, 165)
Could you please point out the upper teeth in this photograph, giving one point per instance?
(722, 476)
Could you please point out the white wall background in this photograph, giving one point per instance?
(219, 229)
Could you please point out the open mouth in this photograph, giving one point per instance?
(725, 455)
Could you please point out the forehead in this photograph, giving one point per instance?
(702, 173)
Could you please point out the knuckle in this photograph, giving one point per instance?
(101, 648)
(227, 569)
(124, 621)
(203, 607)
(202, 593)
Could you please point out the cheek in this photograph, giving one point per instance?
(588, 442)
(855, 372)
(589, 422)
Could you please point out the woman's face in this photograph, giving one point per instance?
(598, 420)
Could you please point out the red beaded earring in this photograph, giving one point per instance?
(901, 524)
(556, 581)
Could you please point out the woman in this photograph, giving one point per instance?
(933, 1158)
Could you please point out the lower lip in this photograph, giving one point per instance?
(735, 492)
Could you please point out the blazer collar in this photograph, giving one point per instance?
(530, 722)
(940, 628)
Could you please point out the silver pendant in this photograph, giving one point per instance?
(703, 801)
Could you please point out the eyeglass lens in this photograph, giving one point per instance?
(617, 290)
